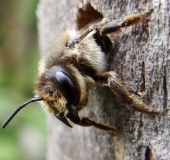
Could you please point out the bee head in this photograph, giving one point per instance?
(59, 88)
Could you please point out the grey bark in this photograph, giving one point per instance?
(142, 62)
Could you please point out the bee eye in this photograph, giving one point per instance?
(68, 86)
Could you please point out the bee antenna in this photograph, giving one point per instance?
(34, 99)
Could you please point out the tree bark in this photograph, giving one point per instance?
(141, 59)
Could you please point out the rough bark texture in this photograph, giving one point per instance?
(142, 62)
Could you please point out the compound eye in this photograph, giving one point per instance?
(68, 86)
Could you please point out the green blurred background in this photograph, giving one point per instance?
(25, 137)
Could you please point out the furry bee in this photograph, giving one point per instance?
(73, 64)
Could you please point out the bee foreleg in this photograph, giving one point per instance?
(109, 79)
(85, 121)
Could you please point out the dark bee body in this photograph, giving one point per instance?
(73, 64)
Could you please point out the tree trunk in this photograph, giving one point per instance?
(141, 59)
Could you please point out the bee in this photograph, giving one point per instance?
(73, 64)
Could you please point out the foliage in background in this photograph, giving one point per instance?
(24, 138)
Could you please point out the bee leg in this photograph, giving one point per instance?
(116, 26)
(109, 79)
(84, 121)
